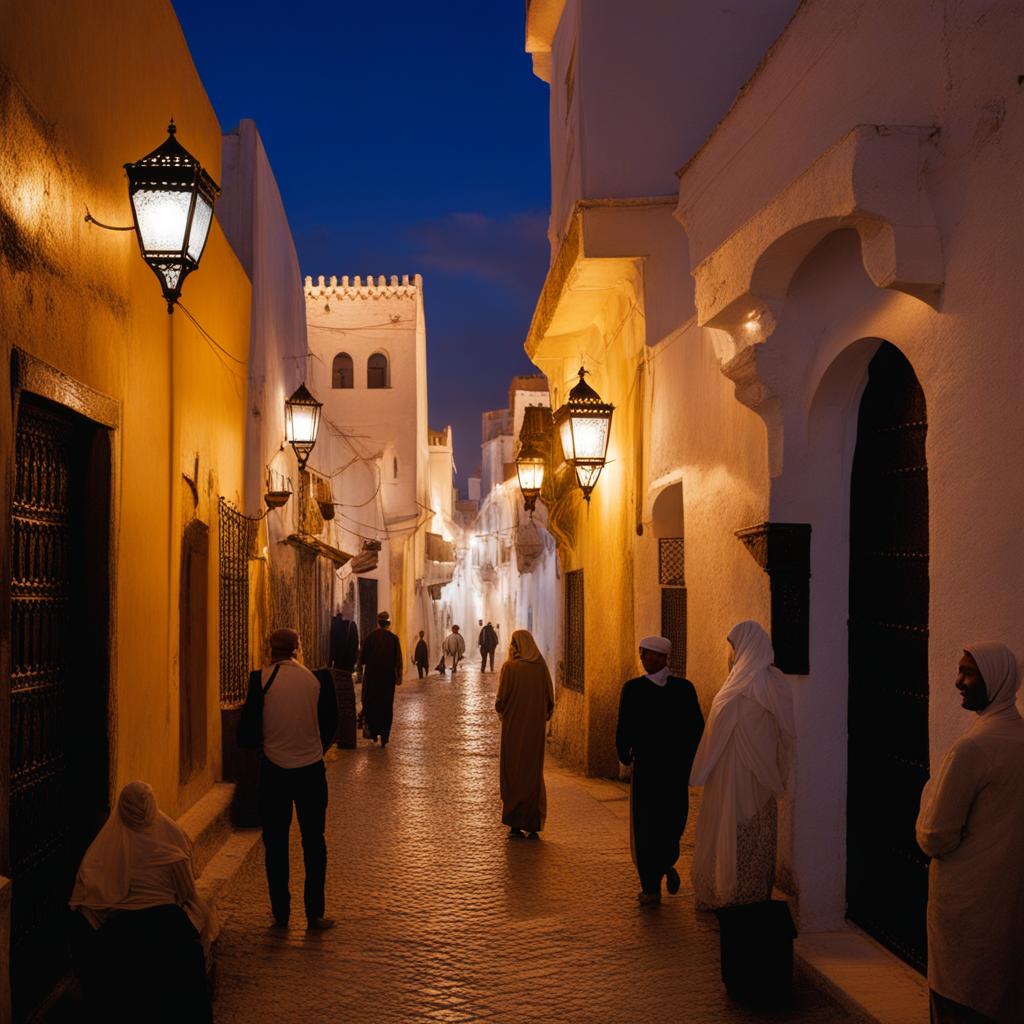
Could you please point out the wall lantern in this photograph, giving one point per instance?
(530, 469)
(584, 425)
(301, 423)
(172, 201)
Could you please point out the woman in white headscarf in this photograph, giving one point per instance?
(972, 826)
(743, 763)
(136, 889)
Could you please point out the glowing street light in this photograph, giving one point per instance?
(530, 470)
(584, 425)
(172, 201)
(302, 422)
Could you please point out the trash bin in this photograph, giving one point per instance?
(757, 952)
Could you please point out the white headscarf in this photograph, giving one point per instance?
(140, 859)
(744, 756)
(998, 667)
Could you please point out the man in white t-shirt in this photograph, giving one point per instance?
(300, 717)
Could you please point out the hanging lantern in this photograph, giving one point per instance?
(530, 469)
(301, 423)
(172, 201)
(584, 426)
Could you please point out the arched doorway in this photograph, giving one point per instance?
(667, 520)
(886, 879)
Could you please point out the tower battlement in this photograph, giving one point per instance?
(359, 287)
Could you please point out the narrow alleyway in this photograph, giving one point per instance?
(441, 918)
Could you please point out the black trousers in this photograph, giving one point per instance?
(306, 788)
(421, 669)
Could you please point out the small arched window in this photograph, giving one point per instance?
(377, 371)
(342, 374)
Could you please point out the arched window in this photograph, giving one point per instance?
(342, 373)
(377, 371)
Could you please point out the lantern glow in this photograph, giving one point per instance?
(302, 423)
(584, 427)
(530, 470)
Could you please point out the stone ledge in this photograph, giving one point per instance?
(224, 867)
(207, 822)
(863, 977)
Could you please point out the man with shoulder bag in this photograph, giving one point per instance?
(293, 716)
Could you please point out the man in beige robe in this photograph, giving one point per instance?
(972, 826)
(525, 702)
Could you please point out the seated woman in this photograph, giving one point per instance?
(743, 763)
(144, 958)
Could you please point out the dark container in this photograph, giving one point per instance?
(757, 952)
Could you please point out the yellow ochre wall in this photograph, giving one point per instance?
(85, 87)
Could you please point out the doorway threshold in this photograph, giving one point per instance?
(864, 977)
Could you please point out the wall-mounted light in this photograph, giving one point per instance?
(301, 423)
(584, 425)
(530, 462)
(172, 201)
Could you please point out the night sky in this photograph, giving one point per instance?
(406, 138)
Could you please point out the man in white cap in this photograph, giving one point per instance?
(660, 725)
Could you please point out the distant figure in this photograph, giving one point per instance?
(488, 645)
(382, 663)
(421, 656)
(343, 654)
(299, 724)
(454, 647)
(147, 926)
(659, 727)
(525, 702)
(743, 763)
(972, 826)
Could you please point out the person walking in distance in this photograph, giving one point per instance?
(488, 645)
(659, 727)
(421, 656)
(300, 718)
(972, 826)
(343, 653)
(381, 659)
(455, 647)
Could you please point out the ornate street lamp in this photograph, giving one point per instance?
(584, 425)
(301, 423)
(530, 469)
(172, 201)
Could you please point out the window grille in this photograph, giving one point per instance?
(236, 535)
(342, 374)
(377, 371)
(673, 627)
(574, 630)
(671, 568)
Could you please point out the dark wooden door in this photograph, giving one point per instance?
(58, 692)
(367, 607)
(887, 879)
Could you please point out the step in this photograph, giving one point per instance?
(224, 867)
(207, 822)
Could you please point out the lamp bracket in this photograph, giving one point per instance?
(90, 219)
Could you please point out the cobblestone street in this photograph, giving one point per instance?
(441, 918)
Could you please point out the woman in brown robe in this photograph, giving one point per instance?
(525, 703)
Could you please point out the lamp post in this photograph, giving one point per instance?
(584, 425)
(301, 423)
(172, 201)
(530, 470)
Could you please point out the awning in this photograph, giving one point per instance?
(318, 547)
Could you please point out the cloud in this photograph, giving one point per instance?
(511, 251)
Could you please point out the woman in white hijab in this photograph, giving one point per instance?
(972, 826)
(743, 763)
(136, 889)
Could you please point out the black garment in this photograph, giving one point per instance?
(344, 643)
(339, 680)
(421, 656)
(488, 639)
(381, 659)
(307, 789)
(139, 954)
(484, 655)
(658, 732)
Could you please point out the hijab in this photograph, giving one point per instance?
(524, 648)
(998, 668)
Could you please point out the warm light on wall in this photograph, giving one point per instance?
(584, 425)
(302, 423)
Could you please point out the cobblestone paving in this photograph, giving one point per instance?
(442, 918)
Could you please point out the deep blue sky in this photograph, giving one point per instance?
(406, 137)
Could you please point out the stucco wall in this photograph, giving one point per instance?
(84, 88)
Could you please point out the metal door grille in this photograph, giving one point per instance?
(57, 741)
(670, 562)
(673, 627)
(887, 875)
(236, 533)
(574, 661)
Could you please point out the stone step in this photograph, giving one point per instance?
(225, 866)
(207, 822)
